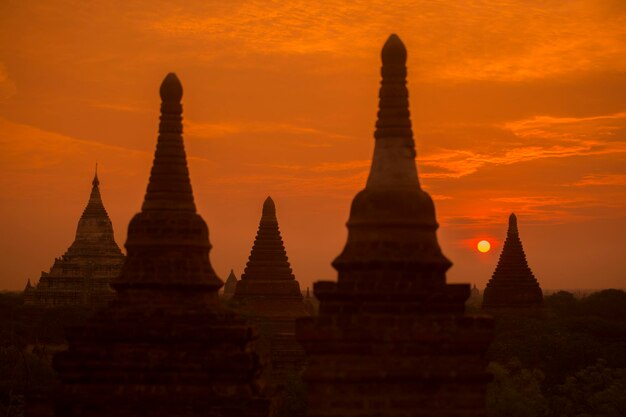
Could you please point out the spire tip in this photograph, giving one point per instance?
(95, 181)
(394, 51)
(171, 88)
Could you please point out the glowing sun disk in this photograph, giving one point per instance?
(483, 246)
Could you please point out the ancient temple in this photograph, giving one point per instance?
(512, 285)
(475, 292)
(391, 337)
(83, 273)
(164, 346)
(309, 304)
(230, 285)
(269, 293)
(268, 287)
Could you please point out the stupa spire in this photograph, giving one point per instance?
(168, 220)
(95, 207)
(95, 181)
(390, 323)
(392, 202)
(164, 346)
(512, 225)
(269, 292)
(169, 187)
(393, 163)
(230, 284)
(268, 257)
(512, 285)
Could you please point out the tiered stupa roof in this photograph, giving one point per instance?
(269, 293)
(512, 284)
(164, 346)
(391, 326)
(268, 287)
(231, 284)
(83, 273)
(94, 233)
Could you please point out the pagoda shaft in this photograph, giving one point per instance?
(164, 346)
(391, 338)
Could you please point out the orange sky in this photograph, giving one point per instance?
(516, 106)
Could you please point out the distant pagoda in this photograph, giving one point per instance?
(230, 284)
(164, 346)
(270, 294)
(82, 274)
(268, 287)
(391, 337)
(512, 285)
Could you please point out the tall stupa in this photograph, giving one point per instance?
(268, 287)
(269, 294)
(164, 346)
(512, 285)
(391, 337)
(83, 273)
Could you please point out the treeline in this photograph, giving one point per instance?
(29, 337)
(569, 361)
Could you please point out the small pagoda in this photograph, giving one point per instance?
(164, 346)
(512, 285)
(230, 285)
(391, 337)
(81, 276)
(269, 294)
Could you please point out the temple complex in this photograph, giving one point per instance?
(391, 337)
(163, 346)
(309, 304)
(83, 273)
(270, 294)
(475, 292)
(512, 285)
(230, 285)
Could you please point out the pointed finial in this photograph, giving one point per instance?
(394, 51)
(169, 187)
(95, 181)
(269, 209)
(171, 88)
(394, 153)
(512, 223)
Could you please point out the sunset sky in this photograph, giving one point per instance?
(516, 106)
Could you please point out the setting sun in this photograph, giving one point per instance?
(483, 246)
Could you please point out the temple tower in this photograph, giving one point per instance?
(230, 285)
(270, 294)
(268, 287)
(164, 346)
(391, 337)
(83, 273)
(512, 285)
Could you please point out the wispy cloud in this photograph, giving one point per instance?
(525, 41)
(207, 130)
(539, 137)
(601, 180)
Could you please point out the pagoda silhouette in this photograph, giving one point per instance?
(164, 346)
(512, 285)
(230, 285)
(392, 337)
(270, 295)
(81, 276)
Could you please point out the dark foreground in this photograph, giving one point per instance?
(568, 361)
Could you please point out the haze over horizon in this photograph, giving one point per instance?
(516, 107)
